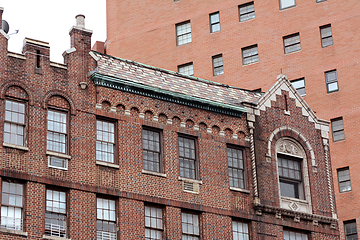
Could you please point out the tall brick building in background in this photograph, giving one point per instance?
(105, 148)
(245, 43)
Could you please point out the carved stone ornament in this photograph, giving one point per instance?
(287, 146)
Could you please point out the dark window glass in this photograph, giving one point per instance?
(187, 157)
(215, 22)
(344, 179)
(337, 127)
(292, 43)
(246, 11)
(299, 85)
(236, 168)
(350, 230)
(250, 54)
(290, 177)
(331, 81)
(326, 36)
(151, 150)
(218, 67)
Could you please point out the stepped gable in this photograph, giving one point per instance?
(172, 81)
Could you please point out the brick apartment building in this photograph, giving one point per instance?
(105, 148)
(244, 43)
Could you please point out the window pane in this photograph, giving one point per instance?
(287, 3)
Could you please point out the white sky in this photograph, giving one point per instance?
(51, 20)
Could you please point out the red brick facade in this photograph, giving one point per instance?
(145, 31)
(92, 87)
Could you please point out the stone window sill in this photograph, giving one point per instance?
(15, 232)
(15, 146)
(60, 155)
(154, 173)
(239, 190)
(112, 165)
(190, 180)
(55, 238)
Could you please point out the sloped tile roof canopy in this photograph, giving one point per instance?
(171, 83)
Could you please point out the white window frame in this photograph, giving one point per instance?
(154, 223)
(15, 122)
(240, 230)
(337, 126)
(190, 229)
(344, 177)
(218, 65)
(250, 54)
(52, 131)
(214, 23)
(106, 212)
(183, 33)
(290, 41)
(295, 235)
(12, 209)
(56, 205)
(299, 85)
(106, 138)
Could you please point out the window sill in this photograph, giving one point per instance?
(16, 232)
(55, 154)
(112, 165)
(239, 190)
(55, 238)
(294, 199)
(15, 146)
(248, 64)
(154, 173)
(190, 180)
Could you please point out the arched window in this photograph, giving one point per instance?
(292, 169)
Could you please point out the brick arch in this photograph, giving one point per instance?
(16, 83)
(291, 133)
(51, 93)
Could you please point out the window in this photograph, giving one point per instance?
(292, 43)
(153, 223)
(320, 1)
(337, 127)
(187, 158)
(344, 179)
(240, 230)
(186, 69)
(287, 3)
(190, 226)
(183, 33)
(250, 54)
(105, 141)
(326, 36)
(11, 206)
(55, 215)
(57, 137)
(218, 67)
(105, 225)
(236, 167)
(290, 235)
(14, 124)
(350, 230)
(299, 85)
(151, 150)
(246, 11)
(290, 177)
(331, 81)
(215, 22)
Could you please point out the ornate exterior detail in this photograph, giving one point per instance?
(287, 146)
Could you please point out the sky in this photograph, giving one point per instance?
(50, 21)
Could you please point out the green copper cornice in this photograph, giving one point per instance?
(156, 93)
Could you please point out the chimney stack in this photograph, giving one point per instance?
(1, 13)
(80, 21)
